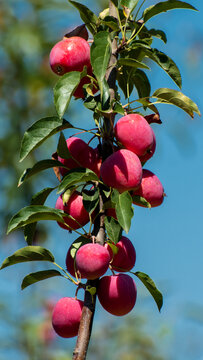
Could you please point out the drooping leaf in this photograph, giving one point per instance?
(142, 83)
(177, 98)
(124, 210)
(130, 4)
(141, 201)
(150, 285)
(100, 53)
(62, 148)
(89, 18)
(164, 6)
(33, 213)
(111, 22)
(132, 63)
(28, 253)
(39, 132)
(64, 90)
(113, 228)
(37, 199)
(76, 176)
(158, 34)
(38, 167)
(147, 104)
(90, 199)
(32, 278)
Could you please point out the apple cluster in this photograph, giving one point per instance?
(135, 144)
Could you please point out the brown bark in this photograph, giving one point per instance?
(99, 230)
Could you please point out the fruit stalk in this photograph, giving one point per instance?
(88, 311)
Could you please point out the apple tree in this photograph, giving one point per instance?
(100, 62)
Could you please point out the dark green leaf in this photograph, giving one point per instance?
(150, 285)
(111, 22)
(76, 176)
(89, 18)
(166, 63)
(159, 34)
(118, 108)
(38, 167)
(130, 4)
(38, 276)
(100, 55)
(28, 253)
(140, 201)
(113, 228)
(124, 210)
(62, 148)
(37, 199)
(64, 89)
(125, 80)
(90, 199)
(177, 98)
(142, 83)
(39, 132)
(33, 213)
(164, 6)
(132, 63)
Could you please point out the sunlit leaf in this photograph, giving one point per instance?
(164, 6)
(64, 90)
(177, 98)
(33, 213)
(39, 132)
(38, 276)
(113, 228)
(150, 285)
(124, 210)
(130, 4)
(76, 176)
(90, 199)
(28, 253)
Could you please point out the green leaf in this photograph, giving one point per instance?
(37, 199)
(33, 213)
(150, 285)
(28, 253)
(132, 63)
(38, 276)
(111, 22)
(39, 132)
(113, 228)
(142, 83)
(140, 201)
(124, 210)
(166, 63)
(158, 34)
(118, 108)
(177, 98)
(77, 244)
(38, 167)
(64, 90)
(62, 148)
(76, 176)
(89, 18)
(164, 6)
(90, 199)
(100, 53)
(130, 4)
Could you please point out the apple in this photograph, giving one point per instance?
(117, 294)
(151, 189)
(92, 261)
(122, 170)
(135, 134)
(75, 208)
(66, 317)
(125, 258)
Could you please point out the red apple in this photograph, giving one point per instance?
(92, 260)
(66, 317)
(117, 294)
(134, 133)
(151, 189)
(122, 170)
(125, 258)
(83, 154)
(76, 209)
